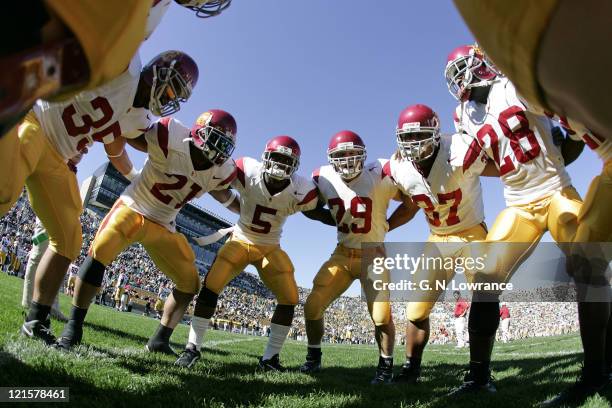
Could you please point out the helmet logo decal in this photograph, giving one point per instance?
(284, 149)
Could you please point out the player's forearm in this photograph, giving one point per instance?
(403, 213)
(321, 214)
(123, 164)
(227, 198)
(234, 206)
(117, 155)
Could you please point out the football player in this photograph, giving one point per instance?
(594, 315)
(537, 189)
(358, 194)
(52, 133)
(270, 191)
(550, 73)
(439, 174)
(182, 164)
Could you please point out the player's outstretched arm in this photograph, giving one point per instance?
(115, 151)
(403, 213)
(228, 198)
(320, 213)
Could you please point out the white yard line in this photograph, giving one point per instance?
(215, 343)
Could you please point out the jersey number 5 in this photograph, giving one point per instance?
(265, 226)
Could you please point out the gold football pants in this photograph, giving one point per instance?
(272, 263)
(29, 159)
(170, 251)
(334, 278)
(450, 247)
(524, 225)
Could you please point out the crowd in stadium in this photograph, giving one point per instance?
(247, 305)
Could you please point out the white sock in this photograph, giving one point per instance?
(197, 330)
(278, 335)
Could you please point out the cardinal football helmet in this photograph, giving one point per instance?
(214, 132)
(418, 132)
(281, 157)
(172, 75)
(467, 67)
(347, 154)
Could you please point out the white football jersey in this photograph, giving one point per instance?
(450, 196)
(359, 206)
(519, 141)
(262, 215)
(98, 115)
(168, 180)
(156, 13)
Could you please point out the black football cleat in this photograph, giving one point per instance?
(272, 364)
(188, 357)
(471, 386)
(37, 329)
(311, 366)
(71, 336)
(384, 375)
(160, 347)
(408, 375)
(577, 393)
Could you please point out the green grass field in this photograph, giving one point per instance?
(113, 369)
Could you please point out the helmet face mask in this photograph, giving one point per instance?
(470, 70)
(214, 133)
(458, 76)
(279, 165)
(418, 144)
(169, 88)
(417, 133)
(281, 157)
(205, 8)
(348, 160)
(216, 146)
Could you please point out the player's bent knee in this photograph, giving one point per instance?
(182, 297)
(288, 299)
(313, 309)
(189, 285)
(381, 313)
(69, 247)
(92, 272)
(418, 311)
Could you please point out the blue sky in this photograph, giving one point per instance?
(310, 69)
